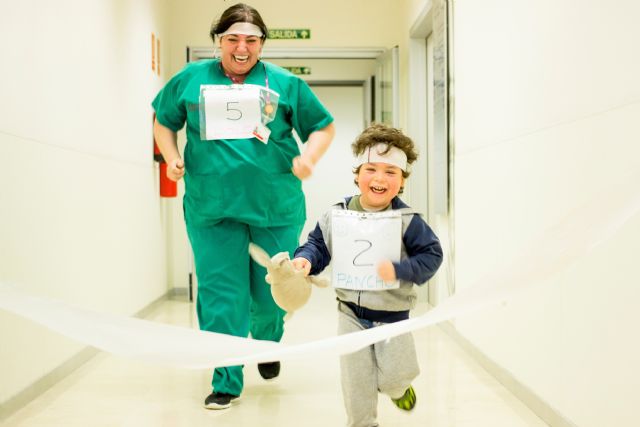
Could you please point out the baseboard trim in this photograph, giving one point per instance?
(29, 393)
(538, 406)
(178, 293)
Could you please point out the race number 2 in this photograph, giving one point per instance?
(368, 245)
(359, 242)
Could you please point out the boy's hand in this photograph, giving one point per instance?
(387, 271)
(302, 264)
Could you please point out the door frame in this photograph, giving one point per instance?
(435, 169)
(195, 53)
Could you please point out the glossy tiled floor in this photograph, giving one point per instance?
(452, 389)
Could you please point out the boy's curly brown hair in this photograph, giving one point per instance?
(378, 133)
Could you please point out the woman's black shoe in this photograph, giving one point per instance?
(219, 400)
(269, 370)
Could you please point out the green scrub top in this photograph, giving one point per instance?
(243, 179)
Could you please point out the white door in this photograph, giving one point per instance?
(387, 91)
(333, 176)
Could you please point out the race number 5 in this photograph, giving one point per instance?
(234, 113)
(229, 112)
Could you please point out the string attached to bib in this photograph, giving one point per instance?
(268, 106)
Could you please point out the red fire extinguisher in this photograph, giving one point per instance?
(168, 188)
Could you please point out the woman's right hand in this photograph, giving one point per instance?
(175, 169)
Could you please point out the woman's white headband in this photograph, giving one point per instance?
(376, 154)
(244, 28)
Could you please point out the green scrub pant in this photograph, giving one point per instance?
(233, 297)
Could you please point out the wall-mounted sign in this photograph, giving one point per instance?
(158, 53)
(153, 52)
(299, 71)
(286, 33)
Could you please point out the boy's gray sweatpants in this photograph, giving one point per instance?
(387, 367)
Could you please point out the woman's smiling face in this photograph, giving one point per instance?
(240, 53)
(379, 183)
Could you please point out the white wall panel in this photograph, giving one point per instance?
(81, 219)
(547, 106)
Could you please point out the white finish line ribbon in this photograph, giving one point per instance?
(556, 249)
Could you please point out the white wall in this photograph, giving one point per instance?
(333, 23)
(547, 109)
(80, 220)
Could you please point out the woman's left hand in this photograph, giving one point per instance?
(316, 145)
(302, 167)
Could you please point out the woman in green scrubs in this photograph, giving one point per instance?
(240, 188)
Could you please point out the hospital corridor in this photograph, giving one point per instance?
(525, 118)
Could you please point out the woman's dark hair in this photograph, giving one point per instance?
(378, 133)
(239, 12)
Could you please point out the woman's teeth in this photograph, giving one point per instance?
(241, 58)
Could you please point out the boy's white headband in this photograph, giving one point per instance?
(244, 28)
(376, 154)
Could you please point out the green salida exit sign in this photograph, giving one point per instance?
(298, 71)
(289, 33)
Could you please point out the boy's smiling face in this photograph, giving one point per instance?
(379, 183)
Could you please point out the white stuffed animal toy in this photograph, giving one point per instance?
(290, 288)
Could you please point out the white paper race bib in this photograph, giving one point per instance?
(229, 111)
(360, 241)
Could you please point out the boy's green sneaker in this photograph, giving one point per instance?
(407, 401)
